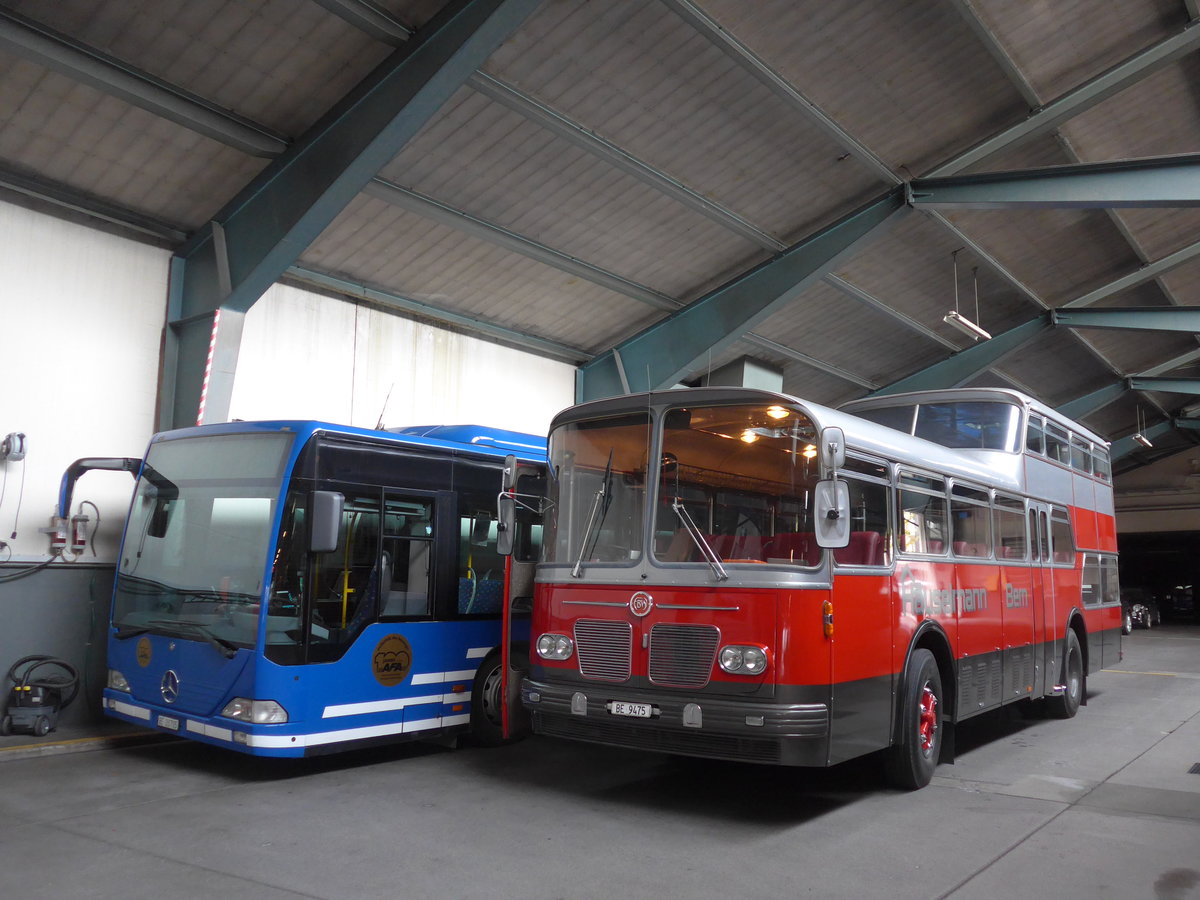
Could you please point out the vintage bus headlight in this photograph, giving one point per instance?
(555, 646)
(743, 660)
(260, 712)
(117, 681)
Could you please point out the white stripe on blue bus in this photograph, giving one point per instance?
(129, 709)
(478, 652)
(358, 709)
(440, 677)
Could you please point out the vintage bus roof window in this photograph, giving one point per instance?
(970, 425)
(900, 418)
(736, 482)
(597, 491)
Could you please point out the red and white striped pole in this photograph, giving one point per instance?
(212, 346)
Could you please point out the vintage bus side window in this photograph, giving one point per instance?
(869, 492)
(1081, 455)
(1035, 441)
(971, 522)
(1110, 590)
(1061, 538)
(923, 525)
(1011, 542)
(1057, 446)
(1092, 587)
(407, 556)
(1100, 464)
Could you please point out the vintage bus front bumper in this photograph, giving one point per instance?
(791, 734)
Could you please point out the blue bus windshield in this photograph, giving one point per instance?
(199, 530)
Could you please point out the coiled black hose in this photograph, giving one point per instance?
(65, 682)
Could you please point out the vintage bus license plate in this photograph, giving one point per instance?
(633, 710)
(168, 722)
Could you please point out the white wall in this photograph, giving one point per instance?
(81, 318)
(308, 356)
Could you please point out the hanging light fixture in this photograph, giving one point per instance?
(957, 319)
(1138, 436)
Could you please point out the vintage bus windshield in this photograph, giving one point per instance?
(198, 535)
(734, 482)
(597, 491)
(744, 476)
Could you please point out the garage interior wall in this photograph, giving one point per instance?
(80, 337)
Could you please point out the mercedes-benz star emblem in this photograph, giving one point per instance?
(640, 604)
(170, 686)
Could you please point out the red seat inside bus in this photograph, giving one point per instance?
(794, 546)
(865, 549)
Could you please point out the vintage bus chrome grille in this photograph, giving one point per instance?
(604, 649)
(682, 655)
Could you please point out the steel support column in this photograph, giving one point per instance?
(667, 351)
(275, 218)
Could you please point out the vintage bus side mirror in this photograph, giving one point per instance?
(833, 448)
(831, 507)
(324, 520)
(506, 508)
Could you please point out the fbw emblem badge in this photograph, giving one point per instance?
(640, 604)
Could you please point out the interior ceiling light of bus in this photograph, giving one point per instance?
(957, 319)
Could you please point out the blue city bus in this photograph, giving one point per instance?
(293, 588)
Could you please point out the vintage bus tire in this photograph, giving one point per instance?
(910, 761)
(1126, 622)
(1066, 704)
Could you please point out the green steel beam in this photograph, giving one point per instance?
(1166, 385)
(667, 351)
(262, 231)
(1170, 181)
(1089, 403)
(1125, 446)
(966, 364)
(1135, 318)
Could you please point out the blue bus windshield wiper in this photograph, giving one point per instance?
(228, 649)
(706, 550)
(596, 516)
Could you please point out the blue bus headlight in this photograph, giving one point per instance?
(555, 646)
(743, 660)
(117, 681)
(260, 712)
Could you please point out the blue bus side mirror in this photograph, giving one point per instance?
(325, 520)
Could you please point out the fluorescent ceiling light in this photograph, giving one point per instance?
(1142, 439)
(965, 325)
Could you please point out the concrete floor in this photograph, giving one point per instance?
(1103, 805)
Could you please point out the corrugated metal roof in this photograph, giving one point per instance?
(615, 159)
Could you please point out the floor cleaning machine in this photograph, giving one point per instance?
(42, 687)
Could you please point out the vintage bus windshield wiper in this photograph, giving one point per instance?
(709, 554)
(595, 517)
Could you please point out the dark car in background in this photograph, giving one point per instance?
(1179, 603)
(1139, 609)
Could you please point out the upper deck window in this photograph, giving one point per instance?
(969, 425)
(961, 424)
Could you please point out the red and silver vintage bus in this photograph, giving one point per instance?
(744, 575)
